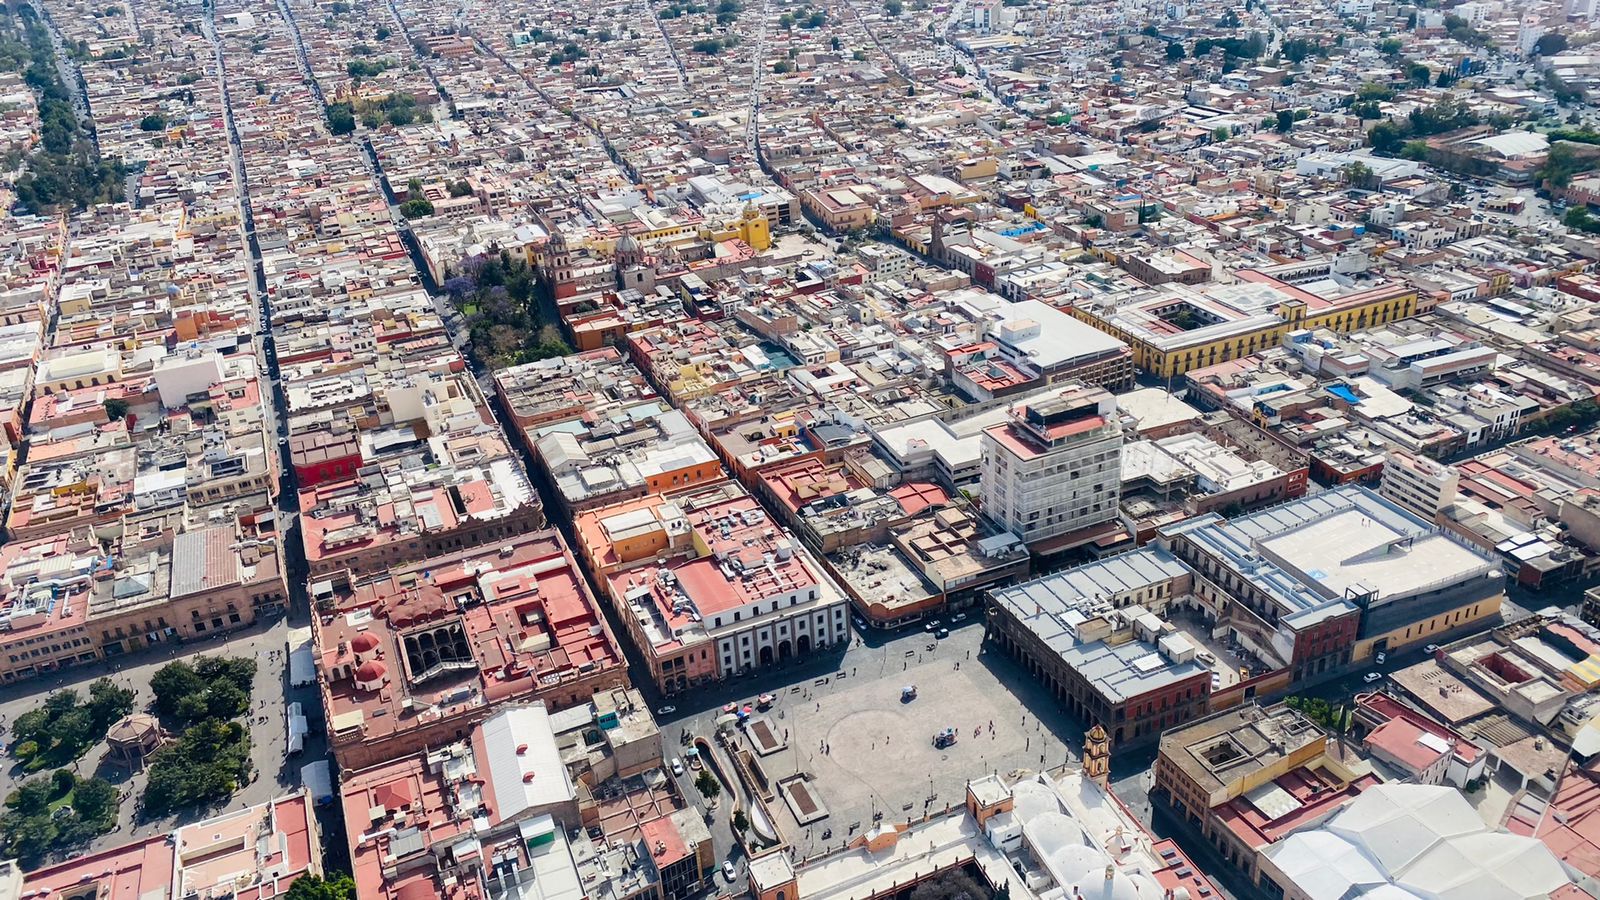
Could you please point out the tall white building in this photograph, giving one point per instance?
(1056, 466)
(1421, 485)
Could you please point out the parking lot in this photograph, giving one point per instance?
(275, 774)
(868, 754)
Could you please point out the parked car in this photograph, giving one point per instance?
(1381, 657)
(942, 633)
(1370, 677)
(728, 871)
(677, 766)
(1431, 648)
(959, 617)
(666, 710)
(933, 625)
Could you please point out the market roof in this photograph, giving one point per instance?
(1422, 840)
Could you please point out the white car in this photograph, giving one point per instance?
(1370, 677)
(1381, 657)
(1431, 649)
(728, 871)
(677, 767)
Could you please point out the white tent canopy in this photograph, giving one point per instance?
(1403, 841)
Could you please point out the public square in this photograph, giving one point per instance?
(869, 753)
(275, 772)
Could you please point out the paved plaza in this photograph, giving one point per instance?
(867, 753)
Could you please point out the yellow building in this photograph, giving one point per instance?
(1177, 327)
(1446, 621)
(751, 227)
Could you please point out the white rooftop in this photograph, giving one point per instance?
(1409, 840)
(534, 778)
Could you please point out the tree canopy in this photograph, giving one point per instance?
(215, 687)
(52, 813)
(65, 168)
(496, 294)
(205, 765)
(63, 727)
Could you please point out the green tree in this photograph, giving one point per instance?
(893, 7)
(224, 700)
(74, 729)
(341, 118)
(95, 800)
(1578, 219)
(240, 671)
(1416, 151)
(153, 122)
(311, 887)
(1174, 52)
(1550, 44)
(1386, 138)
(1420, 74)
(1285, 121)
(1559, 166)
(116, 409)
(205, 765)
(1220, 134)
(741, 822)
(416, 209)
(1357, 173)
(173, 682)
(707, 784)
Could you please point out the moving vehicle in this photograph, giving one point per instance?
(666, 710)
(1381, 657)
(942, 633)
(1431, 648)
(728, 871)
(944, 738)
(959, 617)
(1370, 677)
(677, 766)
(933, 625)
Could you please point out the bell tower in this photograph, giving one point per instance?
(1097, 755)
